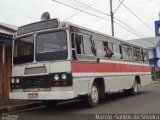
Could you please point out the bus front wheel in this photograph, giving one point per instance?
(92, 99)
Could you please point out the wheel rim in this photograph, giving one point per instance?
(135, 87)
(94, 94)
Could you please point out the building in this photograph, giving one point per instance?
(6, 38)
(152, 44)
(157, 28)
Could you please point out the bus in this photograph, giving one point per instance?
(55, 60)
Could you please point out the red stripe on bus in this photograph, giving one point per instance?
(108, 67)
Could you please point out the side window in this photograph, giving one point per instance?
(85, 48)
(79, 44)
(104, 49)
(110, 45)
(137, 54)
(100, 49)
(93, 47)
(108, 48)
(144, 55)
(87, 45)
(73, 46)
(83, 44)
(127, 52)
(72, 39)
(117, 51)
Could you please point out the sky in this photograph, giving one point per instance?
(127, 26)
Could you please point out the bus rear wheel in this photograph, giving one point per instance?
(92, 100)
(134, 90)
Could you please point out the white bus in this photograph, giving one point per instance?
(54, 61)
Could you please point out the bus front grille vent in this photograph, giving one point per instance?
(35, 70)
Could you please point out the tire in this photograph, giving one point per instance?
(50, 103)
(92, 100)
(134, 90)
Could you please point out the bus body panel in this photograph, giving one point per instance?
(30, 69)
(35, 68)
(117, 75)
(61, 66)
(56, 95)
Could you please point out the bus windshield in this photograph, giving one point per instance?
(49, 46)
(23, 50)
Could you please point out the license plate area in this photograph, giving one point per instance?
(32, 95)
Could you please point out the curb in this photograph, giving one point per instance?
(155, 82)
(151, 83)
(20, 107)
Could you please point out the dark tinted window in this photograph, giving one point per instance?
(23, 50)
(51, 46)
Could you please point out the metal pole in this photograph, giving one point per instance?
(3, 69)
(112, 22)
(159, 15)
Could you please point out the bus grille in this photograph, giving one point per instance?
(35, 82)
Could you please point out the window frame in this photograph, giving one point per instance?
(83, 57)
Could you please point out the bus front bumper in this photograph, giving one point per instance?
(56, 95)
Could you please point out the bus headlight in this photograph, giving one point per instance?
(61, 79)
(17, 80)
(63, 76)
(12, 80)
(56, 77)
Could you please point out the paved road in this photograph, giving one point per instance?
(147, 101)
